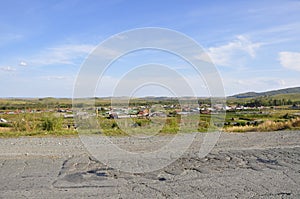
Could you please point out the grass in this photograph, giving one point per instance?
(8, 133)
(49, 124)
(292, 124)
(35, 125)
(134, 126)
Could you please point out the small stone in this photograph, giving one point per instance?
(162, 179)
(228, 158)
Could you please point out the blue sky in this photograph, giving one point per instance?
(254, 44)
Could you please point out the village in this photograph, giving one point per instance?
(141, 111)
(38, 115)
(158, 110)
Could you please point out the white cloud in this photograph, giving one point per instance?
(22, 63)
(7, 68)
(233, 53)
(65, 54)
(290, 60)
(54, 77)
(105, 52)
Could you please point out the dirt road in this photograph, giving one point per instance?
(248, 165)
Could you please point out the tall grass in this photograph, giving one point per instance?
(35, 124)
(25, 122)
(267, 126)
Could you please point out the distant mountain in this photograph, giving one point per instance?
(267, 93)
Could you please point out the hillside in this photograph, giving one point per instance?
(295, 90)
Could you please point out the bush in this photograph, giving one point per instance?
(287, 116)
(296, 122)
(25, 122)
(114, 125)
(51, 123)
(172, 114)
(171, 126)
(5, 125)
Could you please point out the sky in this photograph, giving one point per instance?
(254, 45)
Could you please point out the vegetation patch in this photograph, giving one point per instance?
(267, 126)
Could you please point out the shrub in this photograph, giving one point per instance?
(267, 126)
(296, 122)
(5, 125)
(287, 116)
(171, 126)
(51, 123)
(25, 122)
(114, 125)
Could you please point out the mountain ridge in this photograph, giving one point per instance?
(267, 93)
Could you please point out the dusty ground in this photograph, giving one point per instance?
(250, 165)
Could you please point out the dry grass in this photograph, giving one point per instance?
(267, 126)
(5, 129)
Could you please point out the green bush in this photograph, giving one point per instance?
(243, 123)
(114, 125)
(171, 126)
(5, 125)
(51, 123)
(25, 122)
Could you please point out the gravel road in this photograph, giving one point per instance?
(245, 165)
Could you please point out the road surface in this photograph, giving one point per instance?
(241, 165)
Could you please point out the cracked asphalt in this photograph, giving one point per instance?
(245, 165)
